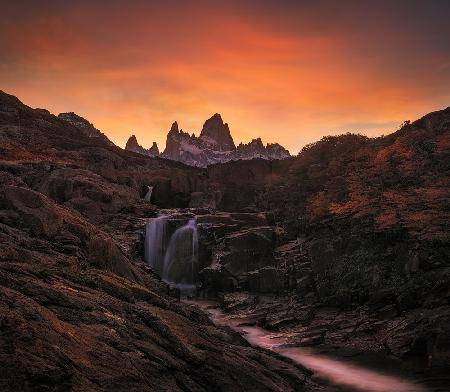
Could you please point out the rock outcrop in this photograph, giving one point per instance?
(235, 246)
(83, 125)
(216, 134)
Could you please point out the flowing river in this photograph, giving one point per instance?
(348, 376)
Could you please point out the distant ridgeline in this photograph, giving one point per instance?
(214, 145)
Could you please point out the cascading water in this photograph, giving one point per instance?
(155, 243)
(181, 258)
(148, 195)
(176, 260)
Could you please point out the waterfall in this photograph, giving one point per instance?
(181, 258)
(148, 195)
(177, 261)
(155, 242)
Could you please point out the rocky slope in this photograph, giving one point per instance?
(214, 145)
(83, 125)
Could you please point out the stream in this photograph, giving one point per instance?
(337, 372)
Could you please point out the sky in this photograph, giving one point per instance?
(286, 71)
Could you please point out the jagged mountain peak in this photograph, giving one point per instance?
(216, 118)
(133, 145)
(217, 133)
(174, 128)
(257, 143)
(132, 142)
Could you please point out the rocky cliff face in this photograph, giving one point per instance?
(214, 145)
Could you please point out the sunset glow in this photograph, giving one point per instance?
(289, 74)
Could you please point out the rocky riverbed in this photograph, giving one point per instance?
(340, 372)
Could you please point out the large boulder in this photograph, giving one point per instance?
(235, 244)
(41, 218)
(214, 280)
(30, 210)
(248, 249)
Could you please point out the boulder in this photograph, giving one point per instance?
(214, 280)
(33, 210)
(43, 219)
(248, 250)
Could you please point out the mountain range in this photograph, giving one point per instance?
(214, 145)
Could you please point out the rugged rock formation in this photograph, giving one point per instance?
(276, 151)
(133, 145)
(217, 135)
(83, 125)
(214, 145)
(182, 147)
(234, 245)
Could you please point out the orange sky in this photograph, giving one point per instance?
(290, 72)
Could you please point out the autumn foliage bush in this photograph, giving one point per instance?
(401, 180)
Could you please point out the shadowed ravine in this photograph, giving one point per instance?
(333, 371)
